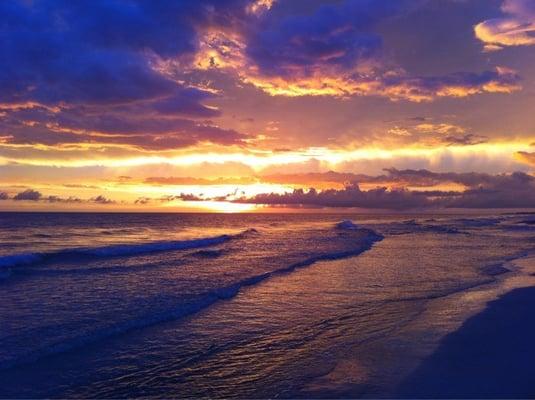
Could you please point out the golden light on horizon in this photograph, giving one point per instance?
(260, 159)
(213, 206)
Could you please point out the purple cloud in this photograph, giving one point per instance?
(336, 36)
(100, 199)
(28, 194)
(517, 28)
(515, 190)
(95, 67)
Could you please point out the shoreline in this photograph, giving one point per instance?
(422, 360)
(489, 356)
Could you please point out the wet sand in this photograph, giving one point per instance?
(488, 355)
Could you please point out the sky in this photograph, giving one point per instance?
(266, 105)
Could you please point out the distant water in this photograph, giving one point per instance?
(251, 305)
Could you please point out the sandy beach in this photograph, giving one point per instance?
(489, 357)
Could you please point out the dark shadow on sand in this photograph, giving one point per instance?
(492, 355)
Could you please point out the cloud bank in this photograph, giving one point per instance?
(515, 190)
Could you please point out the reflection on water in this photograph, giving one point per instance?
(297, 307)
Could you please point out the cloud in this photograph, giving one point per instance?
(169, 198)
(401, 178)
(394, 85)
(142, 200)
(525, 157)
(335, 51)
(425, 177)
(515, 29)
(395, 189)
(122, 79)
(57, 199)
(101, 52)
(142, 129)
(335, 37)
(28, 194)
(100, 199)
(350, 196)
(34, 195)
(178, 180)
(514, 190)
(317, 179)
(433, 134)
(89, 72)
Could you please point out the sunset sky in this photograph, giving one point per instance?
(241, 105)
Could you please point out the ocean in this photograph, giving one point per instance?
(241, 305)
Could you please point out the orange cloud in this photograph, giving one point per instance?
(516, 29)
(525, 157)
(394, 86)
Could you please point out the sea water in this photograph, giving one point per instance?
(241, 305)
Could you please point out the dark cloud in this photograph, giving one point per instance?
(515, 190)
(143, 200)
(94, 66)
(57, 199)
(99, 52)
(467, 139)
(34, 195)
(38, 125)
(350, 196)
(188, 197)
(180, 197)
(424, 177)
(4, 196)
(28, 194)
(100, 199)
(336, 36)
(337, 51)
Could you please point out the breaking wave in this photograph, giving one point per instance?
(119, 250)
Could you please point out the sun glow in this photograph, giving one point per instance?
(260, 159)
(212, 206)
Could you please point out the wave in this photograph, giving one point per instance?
(120, 250)
(412, 226)
(208, 253)
(184, 310)
(19, 259)
(347, 224)
(477, 222)
(44, 272)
